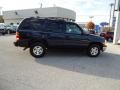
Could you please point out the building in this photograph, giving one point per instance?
(16, 16)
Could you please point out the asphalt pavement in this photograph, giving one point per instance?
(58, 70)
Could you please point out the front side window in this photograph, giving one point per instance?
(72, 28)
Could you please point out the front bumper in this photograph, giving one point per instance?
(104, 47)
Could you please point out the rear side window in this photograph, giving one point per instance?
(25, 25)
(38, 25)
(42, 25)
(52, 26)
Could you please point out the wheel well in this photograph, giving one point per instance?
(96, 43)
(39, 41)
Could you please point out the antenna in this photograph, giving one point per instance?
(54, 5)
(40, 5)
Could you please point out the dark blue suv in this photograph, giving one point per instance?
(42, 34)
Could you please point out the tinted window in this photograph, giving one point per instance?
(25, 25)
(38, 25)
(52, 26)
(73, 28)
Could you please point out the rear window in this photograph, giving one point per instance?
(25, 25)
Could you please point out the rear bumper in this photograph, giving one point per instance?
(21, 43)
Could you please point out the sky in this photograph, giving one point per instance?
(100, 9)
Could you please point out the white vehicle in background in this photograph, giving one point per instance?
(2, 28)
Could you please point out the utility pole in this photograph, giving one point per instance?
(40, 5)
(114, 8)
(113, 16)
(111, 5)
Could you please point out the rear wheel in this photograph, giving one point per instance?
(38, 50)
(93, 50)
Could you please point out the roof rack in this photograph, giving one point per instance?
(54, 18)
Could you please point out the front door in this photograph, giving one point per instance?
(74, 36)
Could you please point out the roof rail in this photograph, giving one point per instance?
(54, 18)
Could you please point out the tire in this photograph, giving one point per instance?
(38, 50)
(93, 50)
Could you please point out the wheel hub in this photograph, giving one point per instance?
(94, 51)
(37, 50)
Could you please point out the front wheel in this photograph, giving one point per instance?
(93, 50)
(37, 50)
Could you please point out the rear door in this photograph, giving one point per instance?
(55, 34)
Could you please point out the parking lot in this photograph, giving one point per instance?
(58, 70)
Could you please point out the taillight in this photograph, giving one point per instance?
(17, 36)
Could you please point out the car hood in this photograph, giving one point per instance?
(95, 38)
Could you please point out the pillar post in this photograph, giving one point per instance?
(117, 29)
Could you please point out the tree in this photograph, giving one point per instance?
(1, 19)
(90, 26)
